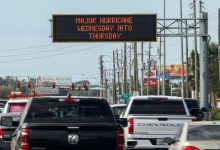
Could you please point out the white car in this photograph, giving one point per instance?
(15, 105)
(203, 135)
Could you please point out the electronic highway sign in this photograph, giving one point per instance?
(104, 28)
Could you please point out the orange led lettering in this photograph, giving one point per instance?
(85, 20)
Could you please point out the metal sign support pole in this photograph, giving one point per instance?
(204, 61)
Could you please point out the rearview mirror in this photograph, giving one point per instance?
(6, 121)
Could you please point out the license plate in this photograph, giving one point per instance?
(161, 142)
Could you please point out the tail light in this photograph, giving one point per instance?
(1, 134)
(130, 126)
(189, 148)
(24, 139)
(120, 139)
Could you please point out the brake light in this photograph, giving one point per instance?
(69, 100)
(24, 139)
(120, 139)
(1, 133)
(130, 126)
(189, 148)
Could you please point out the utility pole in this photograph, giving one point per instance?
(195, 54)
(118, 73)
(101, 75)
(204, 61)
(159, 72)
(122, 72)
(219, 41)
(200, 6)
(130, 68)
(187, 63)
(142, 67)
(135, 68)
(106, 84)
(125, 68)
(182, 63)
(149, 64)
(114, 81)
(164, 50)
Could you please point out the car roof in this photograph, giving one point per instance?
(18, 100)
(190, 99)
(77, 97)
(3, 101)
(118, 105)
(156, 96)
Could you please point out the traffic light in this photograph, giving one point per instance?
(73, 86)
(54, 85)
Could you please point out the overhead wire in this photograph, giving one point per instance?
(52, 55)
(37, 52)
(25, 48)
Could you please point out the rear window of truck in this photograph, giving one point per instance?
(157, 107)
(54, 110)
(16, 107)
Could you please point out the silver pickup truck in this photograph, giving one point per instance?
(152, 118)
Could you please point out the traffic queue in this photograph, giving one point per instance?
(76, 122)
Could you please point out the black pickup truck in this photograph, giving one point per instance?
(74, 123)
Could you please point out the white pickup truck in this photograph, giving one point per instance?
(152, 118)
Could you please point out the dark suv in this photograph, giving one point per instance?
(194, 109)
(6, 130)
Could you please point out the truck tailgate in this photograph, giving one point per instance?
(158, 125)
(69, 137)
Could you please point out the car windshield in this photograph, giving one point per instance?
(157, 106)
(59, 111)
(203, 132)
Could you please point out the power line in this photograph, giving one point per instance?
(33, 58)
(43, 51)
(25, 48)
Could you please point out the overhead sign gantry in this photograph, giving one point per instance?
(104, 28)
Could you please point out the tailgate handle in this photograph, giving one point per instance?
(162, 119)
(73, 128)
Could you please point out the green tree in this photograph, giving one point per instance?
(4, 91)
(213, 66)
(214, 84)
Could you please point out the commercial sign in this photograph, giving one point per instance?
(98, 28)
(176, 70)
(172, 71)
(48, 80)
(153, 78)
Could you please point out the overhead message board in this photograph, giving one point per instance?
(104, 28)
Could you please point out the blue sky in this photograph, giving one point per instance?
(27, 50)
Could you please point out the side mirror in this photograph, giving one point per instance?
(6, 121)
(204, 109)
(123, 121)
(169, 140)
